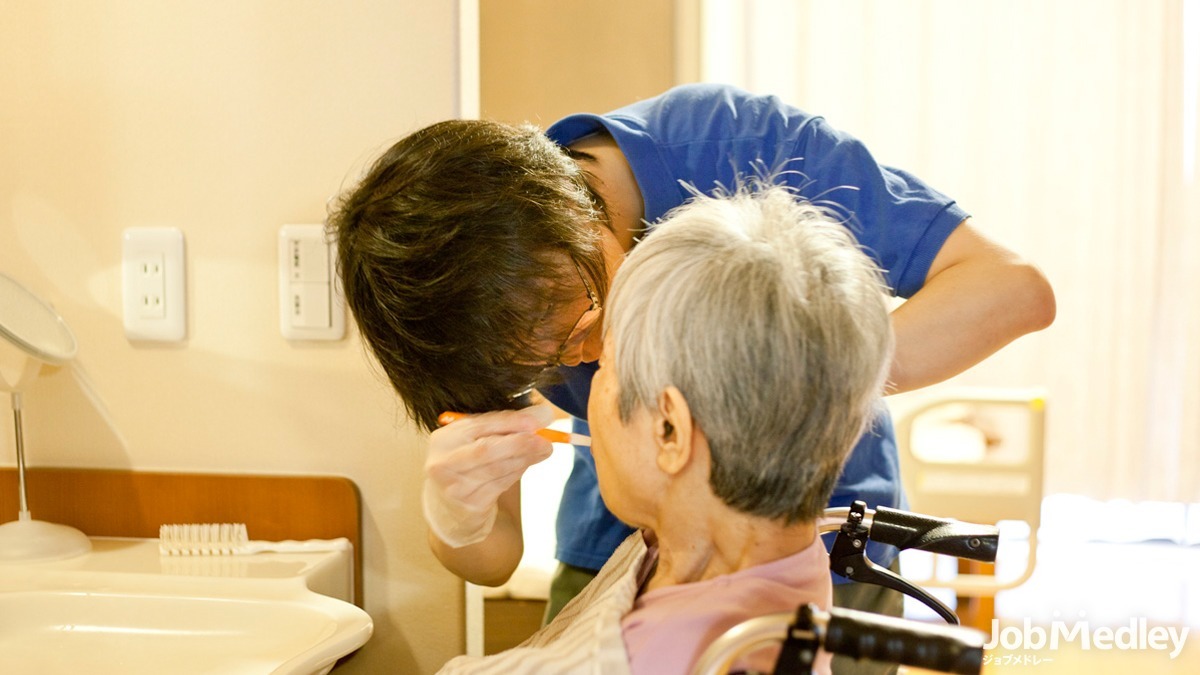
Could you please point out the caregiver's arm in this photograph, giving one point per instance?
(977, 297)
(492, 561)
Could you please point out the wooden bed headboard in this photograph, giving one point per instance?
(118, 503)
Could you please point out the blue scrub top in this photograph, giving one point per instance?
(709, 137)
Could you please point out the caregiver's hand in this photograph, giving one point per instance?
(474, 460)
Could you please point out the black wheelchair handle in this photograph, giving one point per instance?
(905, 530)
(943, 648)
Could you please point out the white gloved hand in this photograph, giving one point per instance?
(472, 462)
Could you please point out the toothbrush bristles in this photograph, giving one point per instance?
(202, 538)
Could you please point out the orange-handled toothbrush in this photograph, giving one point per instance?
(552, 435)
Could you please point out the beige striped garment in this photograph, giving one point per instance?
(585, 637)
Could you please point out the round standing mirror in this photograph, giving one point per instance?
(32, 325)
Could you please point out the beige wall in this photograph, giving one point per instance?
(543, 59)
(225, 119)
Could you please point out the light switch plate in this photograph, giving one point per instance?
(311, 304)
(152, 281)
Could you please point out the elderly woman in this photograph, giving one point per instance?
(745, 348)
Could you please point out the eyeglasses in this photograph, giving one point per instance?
(585, 321)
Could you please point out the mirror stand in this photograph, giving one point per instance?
(29, 539)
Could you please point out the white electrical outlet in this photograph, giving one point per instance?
(152, 274)
(150, 286)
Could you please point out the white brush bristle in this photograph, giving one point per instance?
(202, 539)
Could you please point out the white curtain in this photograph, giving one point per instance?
(1068, 128)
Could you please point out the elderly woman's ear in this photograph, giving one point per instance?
(674, 432)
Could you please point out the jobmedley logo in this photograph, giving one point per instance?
(1138, 634)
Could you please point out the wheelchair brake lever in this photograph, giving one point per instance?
(907, 530)
(849, 559)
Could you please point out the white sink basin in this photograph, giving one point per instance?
(122, 609)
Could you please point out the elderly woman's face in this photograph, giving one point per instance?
(624, 453)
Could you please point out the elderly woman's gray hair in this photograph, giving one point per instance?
(764, 312)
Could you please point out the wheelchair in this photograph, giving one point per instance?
(861, 635)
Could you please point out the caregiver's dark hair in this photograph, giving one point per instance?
(454, 249)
